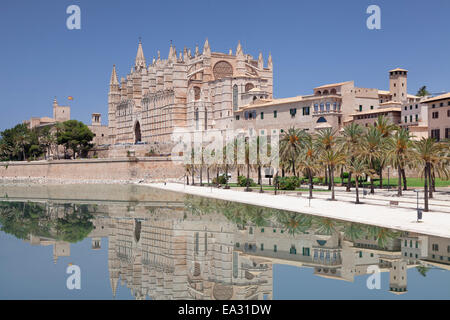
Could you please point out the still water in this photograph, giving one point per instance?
(131, 242)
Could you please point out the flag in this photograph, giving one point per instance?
(70, 97)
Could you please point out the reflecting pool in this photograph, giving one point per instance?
(134, 242)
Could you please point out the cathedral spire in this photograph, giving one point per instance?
(269, 62)
(239, 49)
(113, 80)
(140, 59)
(206, 48)
(171, 51)
(260, 61)
(196, 50)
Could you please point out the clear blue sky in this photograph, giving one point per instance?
(312, 43)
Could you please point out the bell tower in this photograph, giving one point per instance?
(398, 84)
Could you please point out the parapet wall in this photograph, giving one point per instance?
(133, 168)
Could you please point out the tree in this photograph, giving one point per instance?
(371, 148)
(75, 136)
(423, 92)
(350, 140)
(46, 139)
(427, 151)
(399, 150)
(326, 139)
(290, 145)
(307, 160)
(332, 158)
(385, 127)
(359, 168)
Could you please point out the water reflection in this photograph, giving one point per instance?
(185, 247)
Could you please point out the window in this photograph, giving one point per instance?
(410, 118)
(321, 107)
(441, 104)
(262, 229)
(435, 247)
(237, 117)
(435, 115)
(262, 115)
(417, 117)
(292, 250)
(417, 106)
(417, 244)
(371, 107)
(293, 111)
(328, 107)
(274, 113)
(410, 107)
(274, 248)
(316, 107)
(436, 134)
(406, 108)
(406, 119)
(235, 97)
(262, 246)
(306, 111)
(448, 113)
(447, 135)
(305, 252)
(360, 107)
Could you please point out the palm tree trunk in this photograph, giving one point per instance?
(193, 183)
(187, 179)
(349, 181)
(426, 189)
(248, 177)
(207, 174)
(342, 176)
(329, 174)
(226, 175)
(430, 185)
(259, 175)
(293, 167)
(332, 182)
(201, 176)
(405, 187)
(433, 180)
(310, 183)
(326, 175)
(357, 189)
(381, 177)
(399, 187)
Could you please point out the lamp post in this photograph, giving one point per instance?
(419, 212)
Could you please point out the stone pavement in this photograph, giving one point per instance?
(374, 211)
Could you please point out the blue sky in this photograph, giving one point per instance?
(312, 43)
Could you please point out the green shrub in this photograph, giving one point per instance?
(288, 183)
(345, 175)
(222, 180)
(242, 181)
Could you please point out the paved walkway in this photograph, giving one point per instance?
(377, 212)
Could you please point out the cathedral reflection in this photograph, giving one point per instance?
(193, 248)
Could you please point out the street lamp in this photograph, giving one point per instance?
(419, 211)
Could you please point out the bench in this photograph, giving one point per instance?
(393, 203)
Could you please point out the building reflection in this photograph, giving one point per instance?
(192, 249)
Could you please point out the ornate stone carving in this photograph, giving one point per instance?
(222, 69)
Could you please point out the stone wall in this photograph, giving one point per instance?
(133, 168)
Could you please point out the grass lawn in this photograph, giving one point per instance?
(411, 182)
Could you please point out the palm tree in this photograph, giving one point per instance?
(385, 127)
(426, 152)
(325, 140)
(350, 140)
(353, 231)
(371, 148)
(308, 160)
(422, 92)
(359, 168)
(382, 235)
(290, 145)
(423, 270)
(332, 158)
(22, 139)
(399, 150)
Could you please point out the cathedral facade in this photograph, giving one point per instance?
(194, 91)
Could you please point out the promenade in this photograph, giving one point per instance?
(375, 209)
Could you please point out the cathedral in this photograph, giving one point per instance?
(190, 90)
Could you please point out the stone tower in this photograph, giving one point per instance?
(113, 101)
(398, 276)
(398, 84)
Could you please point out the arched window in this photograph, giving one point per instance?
(321, 107)
(316, 107)
(235, 97)
(325, 92)
(196, 118)
(328, 107)
(333, 91)
(248, 87)
(318, 93)
(197, 93)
